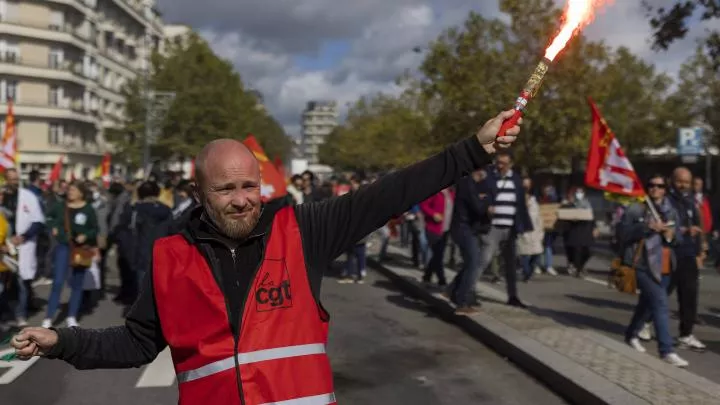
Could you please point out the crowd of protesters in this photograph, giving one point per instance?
(61, 235)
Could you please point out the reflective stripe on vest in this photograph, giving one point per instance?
(323, 399)
(254, 357)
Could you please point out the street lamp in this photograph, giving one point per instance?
(157, 104)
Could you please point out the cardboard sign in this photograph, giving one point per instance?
(575, 214)
(548, 215)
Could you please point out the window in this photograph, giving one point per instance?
(87, 61)
(57, 20)
(56, 134)
(56, 58)
(8, 90)
(56, 96)
(9, 51)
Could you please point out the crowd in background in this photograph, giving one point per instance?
(61, 235)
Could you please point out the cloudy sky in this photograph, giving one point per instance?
(299, 50)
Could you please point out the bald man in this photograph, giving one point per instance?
(236, 295)
(687, 250)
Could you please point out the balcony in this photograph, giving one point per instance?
(43, 30)
(136, 10)
(65, 71)
(71, 110)
(78, 5)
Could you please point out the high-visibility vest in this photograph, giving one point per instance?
(279, 357)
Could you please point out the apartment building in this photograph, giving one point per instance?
(64, 64)
(318, 120)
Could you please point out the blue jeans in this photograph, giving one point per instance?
(548, 242)
(76, 280)
(355, 261)
(528, 263)
(462, 288)
(436, 265)
(24, 292)
(652, 305)
(419, 245)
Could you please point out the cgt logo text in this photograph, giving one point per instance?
(273, 294)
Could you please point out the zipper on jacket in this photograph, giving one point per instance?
(217, 272)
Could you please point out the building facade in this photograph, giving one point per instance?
(318, 120)
(64, 63)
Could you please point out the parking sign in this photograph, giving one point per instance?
(690, 141)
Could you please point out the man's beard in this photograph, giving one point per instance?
(234, 228)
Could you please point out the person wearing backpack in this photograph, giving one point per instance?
(145, 219)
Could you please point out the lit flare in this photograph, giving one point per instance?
(577, 15)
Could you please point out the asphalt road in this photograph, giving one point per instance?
(384, 349)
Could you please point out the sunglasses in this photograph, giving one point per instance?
(656, 185)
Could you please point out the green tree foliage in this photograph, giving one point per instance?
(699, 92)
(380, 132)
(671, 24)
(211, 102)
(472, 72)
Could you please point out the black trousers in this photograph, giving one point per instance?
(685, 280)
(578, 256)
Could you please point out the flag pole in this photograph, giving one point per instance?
(653, 210)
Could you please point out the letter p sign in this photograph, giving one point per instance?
(689, 141)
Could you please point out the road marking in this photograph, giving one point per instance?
(596, 281)
(159, 373)
(16, 367)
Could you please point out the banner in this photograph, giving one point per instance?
(608, 168)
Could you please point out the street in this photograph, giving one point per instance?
(385, 349)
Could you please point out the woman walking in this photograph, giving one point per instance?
(74, 225)
(646, 246)
(530, 244)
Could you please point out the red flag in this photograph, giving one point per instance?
(273, 183)
(608, 168)
(56, 172)
(278, 163)
(8, 148)
(105, 172)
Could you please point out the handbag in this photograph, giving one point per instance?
(80, 256)
(622, 277)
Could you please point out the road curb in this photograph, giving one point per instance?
(562, 375)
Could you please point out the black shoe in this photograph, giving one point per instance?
(515, 302)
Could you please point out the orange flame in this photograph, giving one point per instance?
(578, 14)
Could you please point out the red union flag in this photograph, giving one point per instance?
(273, 184)
(608, 168)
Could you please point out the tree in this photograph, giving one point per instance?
(699, 93)
(479, 69)
(210, 102)
(670, 25)
(380, 132)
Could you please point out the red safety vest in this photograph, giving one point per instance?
(280, 356)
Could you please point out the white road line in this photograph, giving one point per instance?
(16, 367)
(596, 281)
(159, 373)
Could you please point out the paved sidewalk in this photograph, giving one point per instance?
(582, 365)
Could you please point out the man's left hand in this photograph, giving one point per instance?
(487, 135)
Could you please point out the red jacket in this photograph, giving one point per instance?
(279, 355)
(706, 214)
(435, 205)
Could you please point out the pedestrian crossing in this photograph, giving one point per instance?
(159, 373)
(12, 369)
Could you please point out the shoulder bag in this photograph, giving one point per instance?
(622, 277)
(80, 256)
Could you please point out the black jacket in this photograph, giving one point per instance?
(327, 228)
(522, 222)
(470, 211)
(686, 246)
